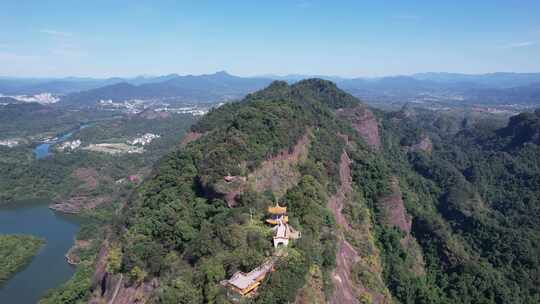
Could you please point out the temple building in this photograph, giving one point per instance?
(283, 232)
(245, 284)
(242, 284)
(277, 213)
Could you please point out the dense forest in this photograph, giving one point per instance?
(437, 209)
(16, 251)
(473, 202)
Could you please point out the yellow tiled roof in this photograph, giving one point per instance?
(277, 209)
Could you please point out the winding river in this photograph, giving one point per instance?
(42, 150)
(49, 268)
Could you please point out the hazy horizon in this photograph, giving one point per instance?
(260, 75)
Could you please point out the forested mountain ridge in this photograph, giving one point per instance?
(180, 229)
(422, 214)
(522, 129)
(481, 185)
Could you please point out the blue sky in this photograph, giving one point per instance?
(345, 38)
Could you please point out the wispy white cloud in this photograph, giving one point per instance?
(522, 44)
(55, 33)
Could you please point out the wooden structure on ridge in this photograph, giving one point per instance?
(245, 284)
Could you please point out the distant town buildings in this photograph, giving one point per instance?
(43, 98)
(10, 143)
(143, 140)
(70, 145)
(195, 111)
(136, 106)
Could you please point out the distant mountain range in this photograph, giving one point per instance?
(487, 89)
(221, 86)
(61, 86)
(493, 80)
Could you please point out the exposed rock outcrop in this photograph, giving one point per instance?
(277, 174)
(88, 176)
(346, 256)
(76, 204)
(344, 289)
(424, 145)
(82, 197)
(348, 289)
(189, 137)
(114, 289)
(72, 256)
(335, 203)
(392, 208)
(394, 214)
(364, 122)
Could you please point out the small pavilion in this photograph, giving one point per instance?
(277, 213)
(282, 230)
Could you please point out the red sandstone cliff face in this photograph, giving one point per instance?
(346, 256)
(277, 174)
(348, 289)
(81, 197)
(393, 211)
(424, 145)
(99, 280)
(335, 203)
(344, 289)
(189, 137)
(115, 289)
(394, 214)
(365, 123)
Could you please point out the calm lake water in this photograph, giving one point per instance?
(49, 268)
